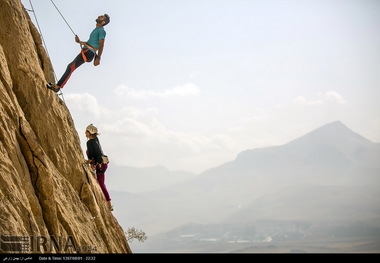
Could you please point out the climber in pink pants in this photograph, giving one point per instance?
(100, 175)
(95, 158)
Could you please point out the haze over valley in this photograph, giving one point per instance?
(321, 186)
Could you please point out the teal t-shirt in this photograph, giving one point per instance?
(96, 35)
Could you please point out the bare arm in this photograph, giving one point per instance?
(100, 51)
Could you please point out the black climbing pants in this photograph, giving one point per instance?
(78, 61)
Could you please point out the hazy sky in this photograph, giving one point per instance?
(188, 84)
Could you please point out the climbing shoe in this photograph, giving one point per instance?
(52, 87)
(111, 208)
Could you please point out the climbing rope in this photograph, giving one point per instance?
(63, 17)
(80, 45)
(38, 25)
(43, 40)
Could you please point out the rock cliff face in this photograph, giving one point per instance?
(47, 194)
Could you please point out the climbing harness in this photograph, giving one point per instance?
(83, 50)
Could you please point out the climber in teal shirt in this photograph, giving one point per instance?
(97, 34)
(90, 49)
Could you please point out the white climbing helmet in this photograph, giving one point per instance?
(92, 129)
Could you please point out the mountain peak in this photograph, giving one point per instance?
(333, 132)
(329, 136)
(335, 125)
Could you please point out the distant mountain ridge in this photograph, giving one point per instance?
(328, 148)
(332, 134)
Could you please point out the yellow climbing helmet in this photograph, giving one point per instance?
(92, 129)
